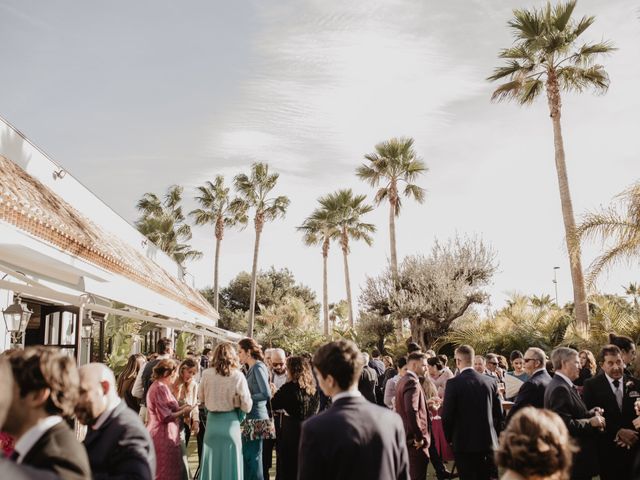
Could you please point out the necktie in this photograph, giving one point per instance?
(618, 392)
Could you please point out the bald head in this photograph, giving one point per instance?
(278, 359)
(97, 392)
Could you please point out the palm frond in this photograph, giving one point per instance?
(562, 14)
(507, 91)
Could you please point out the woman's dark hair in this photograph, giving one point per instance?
(342, 360)
(225, 359)
(443, 359)
(515, 354)
(130, 371)
(623, 343)
(435, 362)
(163, 345)
(164, 368)
(40, 367)
(300, 371)
(536, 443)
(413, 347)
(250, 346)
(401, 362)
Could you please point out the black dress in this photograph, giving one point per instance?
(299, 406)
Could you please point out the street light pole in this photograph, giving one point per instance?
(555, 282)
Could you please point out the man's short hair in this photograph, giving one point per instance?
(401, 362)
(36, 368)
(561, 355)
(538, 354)
(375, 353)
(342, 360)
(609, 350)
(416, 356)
(492, 358)
(206, 351)
(413, 347)
(163, 345)
(466, 352)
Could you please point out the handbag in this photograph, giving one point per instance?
(259, 428)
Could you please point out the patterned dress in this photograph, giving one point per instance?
(165, 433)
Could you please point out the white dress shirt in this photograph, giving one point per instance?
(31, 436)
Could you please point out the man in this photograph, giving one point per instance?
(391, 386)
(354, 439)
(376, 363)
(471, 417)
(44, 391)
(479, 364)
(164, 349)
(278, 378)
(610, 391)
(562, 397)
(117, 442)
(531, 392)
(368, 380)
(411, 405)
(492, 367)
(8, 468)
(205, 359)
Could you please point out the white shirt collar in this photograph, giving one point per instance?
(31, 436)
(346, 394)
(611, 380)
(104, 415)
(565, 378)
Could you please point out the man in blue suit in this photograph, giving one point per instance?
(532, 391)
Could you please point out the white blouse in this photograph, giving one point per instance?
(217, 391)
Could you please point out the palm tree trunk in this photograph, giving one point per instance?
(394, 254)
(254, 278)
(573, 246)
(347, 280)
(325, 286)
(216, 285)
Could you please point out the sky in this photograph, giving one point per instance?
(132, 97)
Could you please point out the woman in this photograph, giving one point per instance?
(226, 396)
(250, 354)
(300, 400)
(439, 377)
(588, 367)
(535, 445)
(127, 378)
(517, 363)
(628, 349)
(185, 389)
(164, 422)
(438, 374)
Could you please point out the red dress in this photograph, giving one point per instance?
(165, 432)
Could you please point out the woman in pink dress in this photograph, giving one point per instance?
(165, 416)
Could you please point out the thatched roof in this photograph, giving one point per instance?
(34, 208)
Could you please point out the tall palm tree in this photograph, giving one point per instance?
(345, 211)
(254, 190)
(218, 209)
(163, 222)
(318, 229)
(546, 57)
(616, 227)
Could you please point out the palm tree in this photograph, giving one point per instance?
(618, 228)
(254, 190)
(633, 290)
(546, 57)
(219, 210)
(163, 222)
(345, 210)
(318, 229)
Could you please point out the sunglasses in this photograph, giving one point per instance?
(277, 364)
(528, 360)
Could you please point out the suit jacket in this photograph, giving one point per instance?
(566, 402)
(472, 412)
(121, 448)
(367, 383)
(14, 471)
(598, 393)
(411, 405)
(354, 439)
(59, 451)
(531, 392)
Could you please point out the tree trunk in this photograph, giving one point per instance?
(254, 277)
(216, 285)
(573, 246)
(347, 280)
(393, 197)
(325, 287)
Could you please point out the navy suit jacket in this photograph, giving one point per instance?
(354, 439)
(531, 392)
(472, 412)
(121, 448)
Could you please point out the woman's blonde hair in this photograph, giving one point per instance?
(225, 359)
(591, 360)
(536, 443)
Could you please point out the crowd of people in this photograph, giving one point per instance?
(337, 414)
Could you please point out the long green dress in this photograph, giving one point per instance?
(222, 447)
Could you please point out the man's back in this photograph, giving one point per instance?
(472, 412)
(354, 439)
(531, 392)
(121, 447)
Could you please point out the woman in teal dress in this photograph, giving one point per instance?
(225, 394)
(251, 355)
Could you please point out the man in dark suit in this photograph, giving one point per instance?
(411, 405)
(8, 468)
(611, 391)
(368, 380)
(354, 439)
(584, 425)
(471, 418)
(117, 442)
(531, 392)
(45, 390)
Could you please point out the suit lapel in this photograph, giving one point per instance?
(608, 391)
